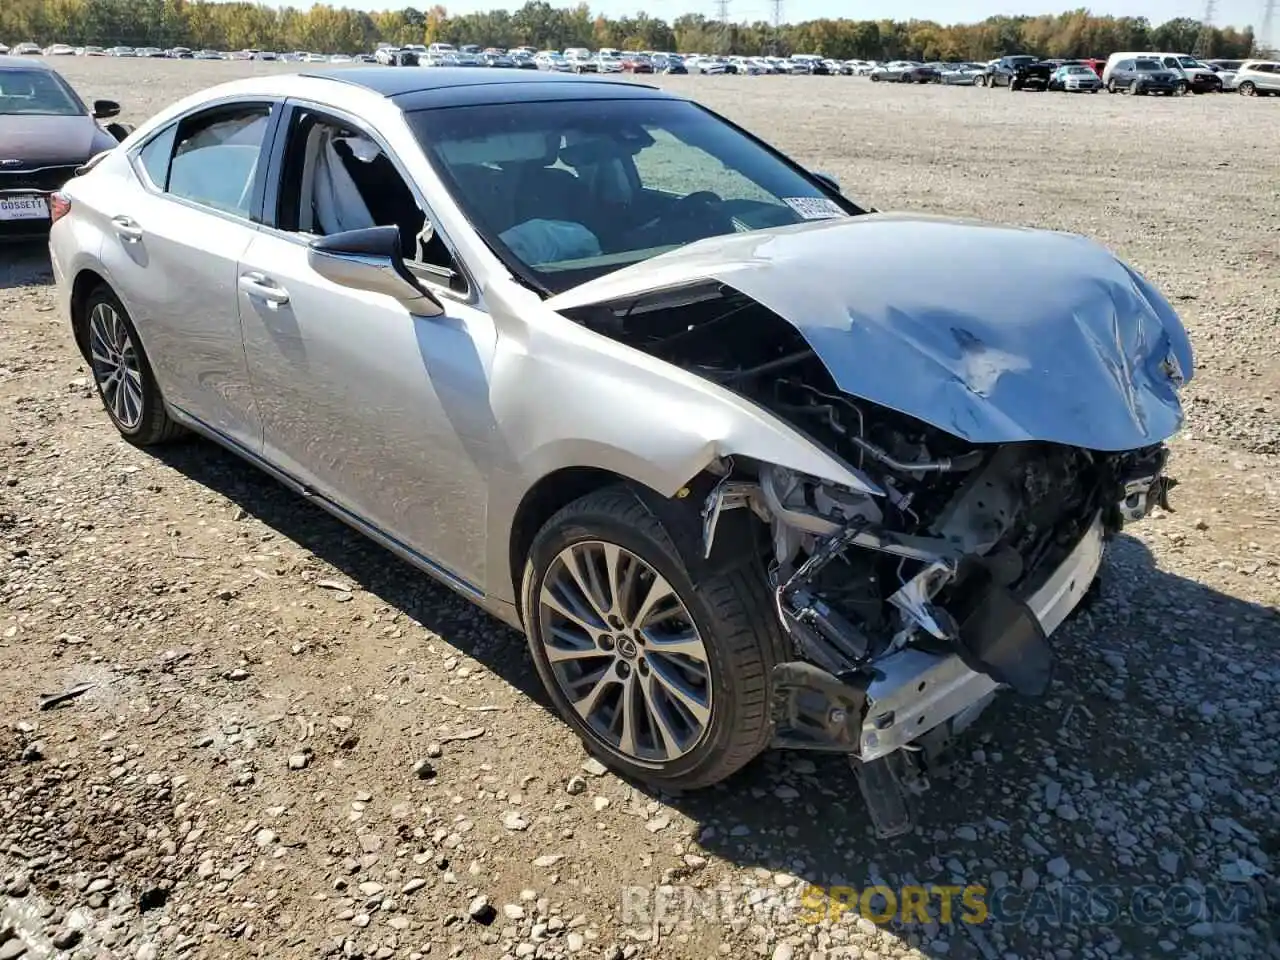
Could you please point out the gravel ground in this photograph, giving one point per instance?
(294, 745)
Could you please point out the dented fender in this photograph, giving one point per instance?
(627, 413)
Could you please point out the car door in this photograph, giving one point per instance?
(384, 413)
(1267, 77)
(174, 239)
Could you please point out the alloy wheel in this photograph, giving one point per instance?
(625, 652)
(114, 359)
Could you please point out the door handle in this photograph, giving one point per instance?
(261, 286)
(127, 229)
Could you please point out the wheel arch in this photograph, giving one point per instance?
(86, 281)
(680, 514)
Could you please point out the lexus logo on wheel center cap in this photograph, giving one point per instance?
(627, 647)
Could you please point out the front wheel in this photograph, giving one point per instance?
(1111, 87)
(122, 373)
(663, 680)
(1247, 89)
(1182, 88)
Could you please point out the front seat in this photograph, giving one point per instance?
(546, 192)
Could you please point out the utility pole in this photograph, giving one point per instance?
(1205, 38)
(777, 27)
(1265, 40)
(722, 14)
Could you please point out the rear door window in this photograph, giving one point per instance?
(216, 157)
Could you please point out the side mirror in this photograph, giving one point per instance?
(826, 179)
(370, 259)
(102, 109)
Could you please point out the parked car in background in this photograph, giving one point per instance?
(672, 64)
(523, 60)
(4, 49)
(636, 63)
(498, 60)
(1190, 73)
(895, 71)
(1259, 78)
(553, 61)
(1020, 72)
(581, 60)
(180, 53)
(1199, 76)
(341, 58)
(1075, 78)
(121, 51)
(961, 74)
(209, 55)
(1226, 71)
(60, 50)
(1145, 75)
(155, 52)
(26, 50)
(46, 133)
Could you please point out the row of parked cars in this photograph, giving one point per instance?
(1133, 72)
(610, 60)
(178, 53)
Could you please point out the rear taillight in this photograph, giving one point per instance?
(59, 206)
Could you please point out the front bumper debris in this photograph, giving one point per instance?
(913, 691)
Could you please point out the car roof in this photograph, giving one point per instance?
(25, 63)
(463, 86)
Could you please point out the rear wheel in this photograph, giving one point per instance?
(665, 681)
(122, 373)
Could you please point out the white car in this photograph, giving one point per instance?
(60, 50)
(553, 62)
(1259, 78)
(1226, 71)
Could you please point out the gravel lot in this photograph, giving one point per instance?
(295, 745)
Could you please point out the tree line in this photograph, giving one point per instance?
(238, 25)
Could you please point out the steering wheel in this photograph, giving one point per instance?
(696, 210)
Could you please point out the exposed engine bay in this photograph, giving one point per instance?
(912, 599)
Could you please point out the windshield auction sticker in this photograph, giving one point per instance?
(814, 208)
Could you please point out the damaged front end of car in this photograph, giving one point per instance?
(987, 482)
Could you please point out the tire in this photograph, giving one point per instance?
(1247, 89)
(980, 81)
(731, 612)
(135, 405)
(1111, 87)
(875, 78)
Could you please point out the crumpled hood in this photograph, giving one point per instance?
(994, 334)
(44, 141)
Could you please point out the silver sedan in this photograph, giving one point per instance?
(748, 463)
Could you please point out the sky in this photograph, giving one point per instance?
(1238, 13)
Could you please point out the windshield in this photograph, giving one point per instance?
(567, 191)
(1149, 65)
(36, 92)
(1190, 62)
